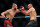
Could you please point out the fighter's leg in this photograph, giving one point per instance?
(32, 23)
(8, 23)
(5, 24)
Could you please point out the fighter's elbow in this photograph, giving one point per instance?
(1, 13)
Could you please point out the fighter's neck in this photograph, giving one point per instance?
(12, 8)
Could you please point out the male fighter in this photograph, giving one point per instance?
(9, 15)
(32, 13)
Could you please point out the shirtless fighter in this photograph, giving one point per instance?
(9, 15)
(32, 13)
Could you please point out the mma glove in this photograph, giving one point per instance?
(21, 9)
(6, 18)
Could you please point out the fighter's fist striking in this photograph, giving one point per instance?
(21, 8)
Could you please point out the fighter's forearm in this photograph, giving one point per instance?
(25, 12)
(18, 10)
(2, 14)
(1, 17)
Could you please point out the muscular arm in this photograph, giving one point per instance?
(1, 17)
(3, 13)
(18, 11)
(26, 12)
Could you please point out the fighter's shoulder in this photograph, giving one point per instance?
(8, 10)
(33, 9)
(17, 9)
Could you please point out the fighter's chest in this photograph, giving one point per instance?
(11, 12)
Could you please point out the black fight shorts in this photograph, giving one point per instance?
(32, 23)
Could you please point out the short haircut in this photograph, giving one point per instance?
(30, 4)
(14, 3)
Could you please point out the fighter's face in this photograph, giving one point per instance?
(29, 6)
(14, 6)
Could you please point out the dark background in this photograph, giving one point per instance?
(22, 22)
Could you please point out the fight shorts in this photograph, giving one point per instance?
(32, 23)
(7, 22)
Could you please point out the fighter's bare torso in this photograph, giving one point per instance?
(11, 13)
(33, 14)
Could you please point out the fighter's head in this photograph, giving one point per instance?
(30, 5)
(14, 5)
